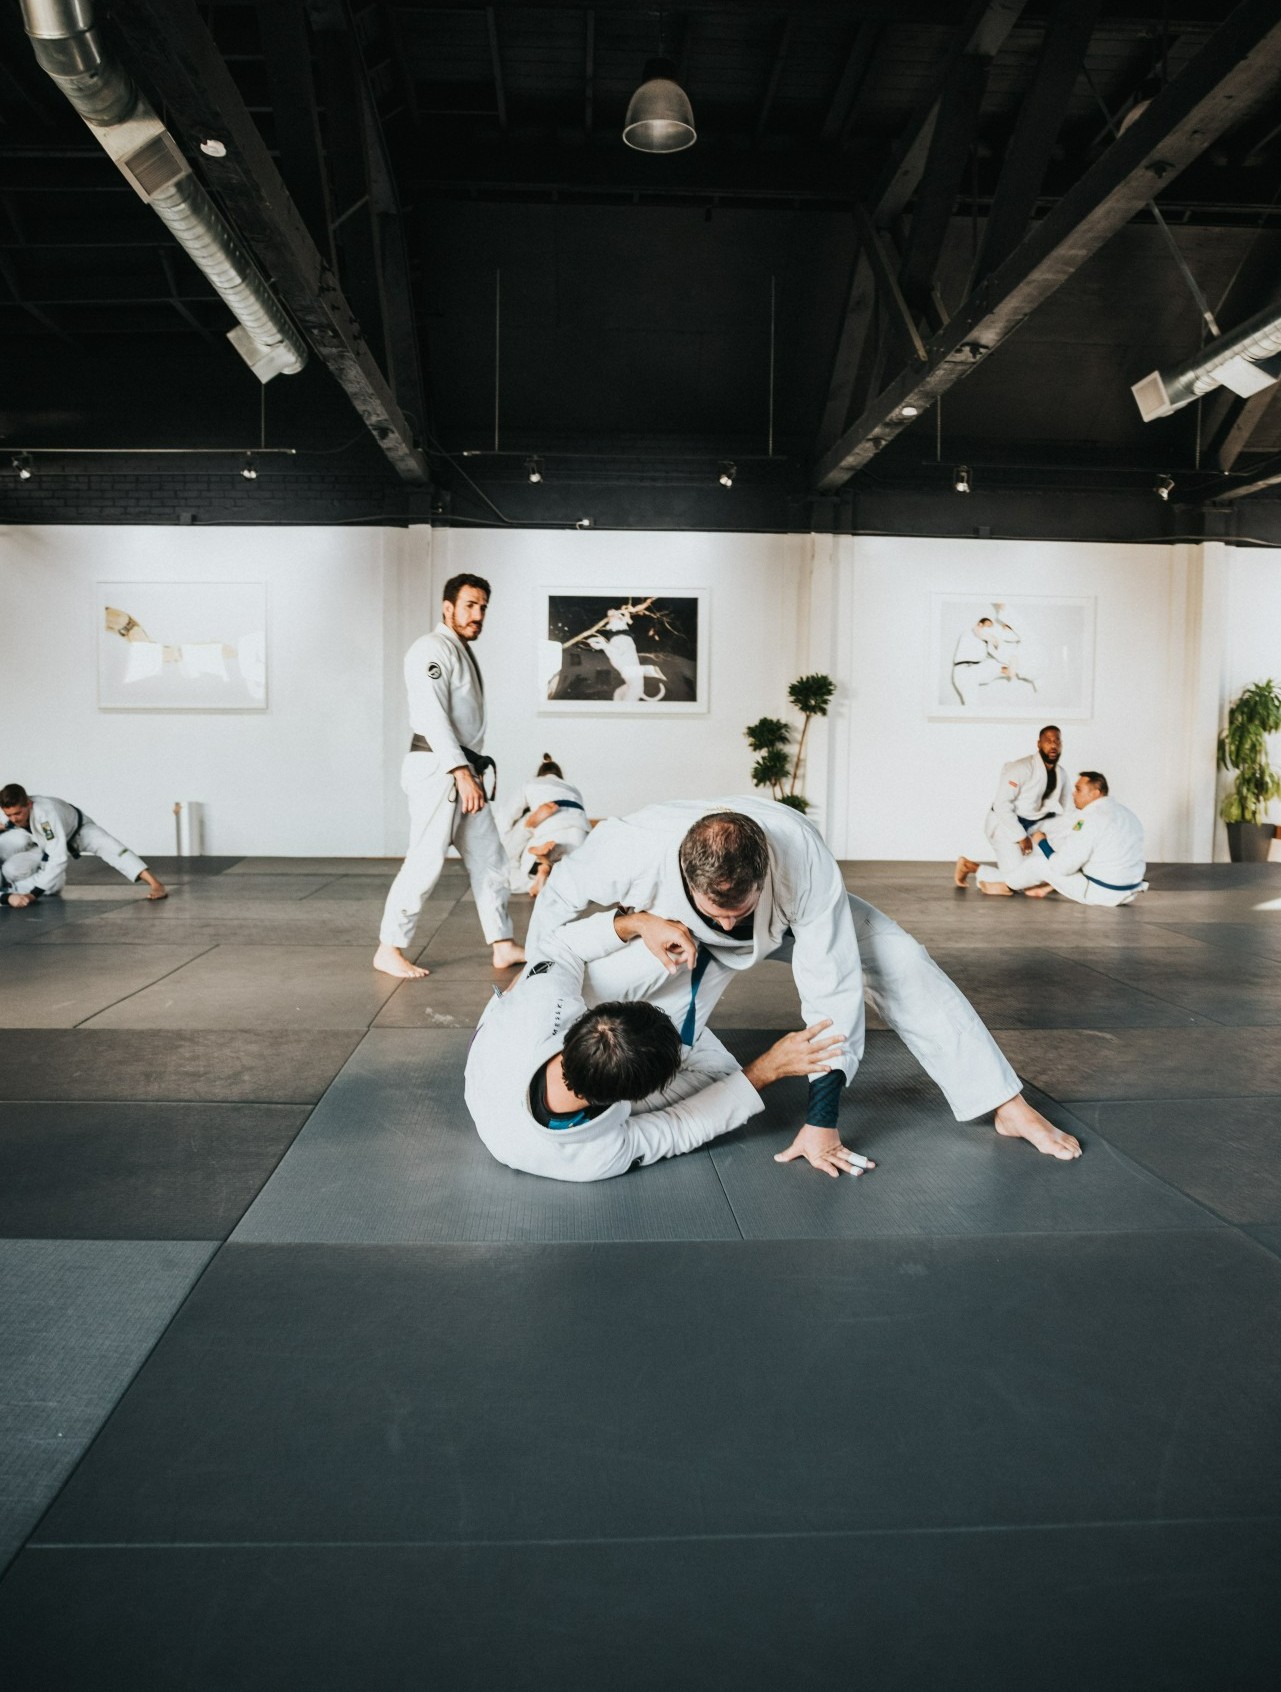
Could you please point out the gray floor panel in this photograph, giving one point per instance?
(327, 867)
(140, 1171)
(1147, 1063)
(49, 991)
(1241, 989)
(1023, 989)
(470, 1393)
(39, 921)
(233, 889)
(300, 924)
(85, 1063)
(391, 1157)
(77, 1317)
(1267, 1234)
(1174, 1608)
(1223, 1152)
(451, 996)
(934, 1176)
(260, 987)
(1239, 937)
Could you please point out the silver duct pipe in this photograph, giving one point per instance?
(1233, 361)
(70, 50)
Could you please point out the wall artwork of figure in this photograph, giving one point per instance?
(1017, 657)
(642, 653)
(181, 646)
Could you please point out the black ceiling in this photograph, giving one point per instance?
(635, 321)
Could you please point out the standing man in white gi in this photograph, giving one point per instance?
(1100, 860)
(1031, 791)
(442, 778)
(735, 881)
(38, 839)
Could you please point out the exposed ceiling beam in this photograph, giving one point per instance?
(849, 84)
(496, 60)
(286, 43)
(170, 44)
(955, 131)
(1236, 70)
(1036, 130)
(1244, 489)
(779, 59)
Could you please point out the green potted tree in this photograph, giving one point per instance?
(777, 767)
(1243, 748)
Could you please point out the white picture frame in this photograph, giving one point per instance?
(181, 646)
(642, 653)
(1024, 657)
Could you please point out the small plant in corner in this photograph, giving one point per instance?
(778, 767)
(1243, 748)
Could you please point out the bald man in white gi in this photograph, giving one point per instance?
(1100, 860)
(1031, 792)
(737, 878)
(549, 1081)
(40, 835)
(442, 778)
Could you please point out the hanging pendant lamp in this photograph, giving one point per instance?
(659, 116)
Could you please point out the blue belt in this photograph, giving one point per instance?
(690, 1023)
(568, 805)
(1029, 823)
(1114, 886)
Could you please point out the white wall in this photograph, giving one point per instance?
(314, 773)
(1252, 641)
(902, 786)
(756, 587)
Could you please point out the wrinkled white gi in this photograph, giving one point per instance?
(1100, 860)
(1023, 796)
(524, 1027)
(840, 946)
(446, 707)
(565, 830)
(39, 865)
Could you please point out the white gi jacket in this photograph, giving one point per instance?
(526, 1026)
(1021, 792)
(542, 790)
(1105, 845)
(446, 696)
(633, 862)
(53, 825)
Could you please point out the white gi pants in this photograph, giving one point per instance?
(903, 984)
(436, 819)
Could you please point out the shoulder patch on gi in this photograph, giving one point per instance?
(537, 969)
(1077, 827)
(435, 671)
(47, 830)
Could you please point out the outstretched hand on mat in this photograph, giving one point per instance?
(822, 1149)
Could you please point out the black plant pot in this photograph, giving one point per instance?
(1248, 843)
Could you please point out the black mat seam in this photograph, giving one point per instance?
(721, 1184)
(125, 997)
(1124, 1524)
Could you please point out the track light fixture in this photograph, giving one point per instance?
(583, 523)
(909, 411)
(961, 478)
(249, 469)
(22, 464)
(534, 469)
(728, 472)
(1164, 487)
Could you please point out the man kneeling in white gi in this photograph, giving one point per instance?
(1100, 861)
(746, 879)
(559, 1090)
(42, 835)
(1033, 793)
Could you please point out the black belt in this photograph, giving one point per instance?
(479, 762)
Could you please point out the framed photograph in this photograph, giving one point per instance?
(1025, 657)
(181, 646)
(641, 654)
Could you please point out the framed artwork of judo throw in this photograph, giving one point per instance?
(181, 646)
(640, 654)
(1026, 657)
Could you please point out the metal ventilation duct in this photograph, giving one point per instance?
(68, 47)
(1245, 361)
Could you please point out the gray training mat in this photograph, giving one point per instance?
(934, 1176)
(136, 1171)
(44, 993)
(467, 1393)
(77, 1317)
(1147, 1063)
(391, 1157)
(1223, 1152)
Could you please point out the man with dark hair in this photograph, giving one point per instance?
(1100, 861)
(684, 862)
(559, 1090)
(443, 779)
(1031, 791)
(39, 836)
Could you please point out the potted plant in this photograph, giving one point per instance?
(777, 768)
(1243, 747)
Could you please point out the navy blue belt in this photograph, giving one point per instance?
(1114, 886)
(1029, 823)
(689, 1028)
(568, 805)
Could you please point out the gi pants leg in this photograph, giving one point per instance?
(1083, 891)
(435, 820)
(93, 838)
(19, 858)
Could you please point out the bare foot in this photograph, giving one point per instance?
(998, 888)
(507, 953)
(1041, 892)
(158, 890)
(1018, 1121)
(392, 961)
(965, 868)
